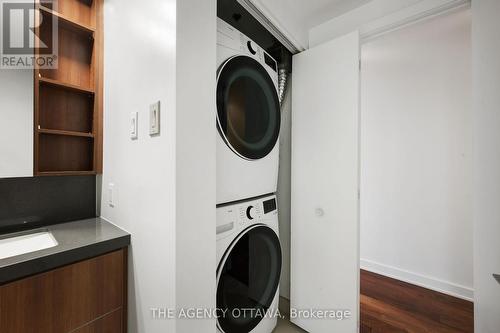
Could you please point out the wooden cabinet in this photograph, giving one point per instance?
(68, 99)
(85, 297)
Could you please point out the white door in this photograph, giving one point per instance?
(486, 71)
(325, 177)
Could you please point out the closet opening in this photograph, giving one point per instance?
(416, 142)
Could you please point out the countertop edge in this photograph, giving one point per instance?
(49, 262)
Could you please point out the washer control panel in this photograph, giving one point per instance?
(251, 212)
(240, 215)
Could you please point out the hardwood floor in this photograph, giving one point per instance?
(393, 306)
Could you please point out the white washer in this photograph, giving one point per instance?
(248, 117)
(248, 266)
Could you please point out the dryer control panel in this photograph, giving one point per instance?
(230, 37)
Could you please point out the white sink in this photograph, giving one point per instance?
(14, 246)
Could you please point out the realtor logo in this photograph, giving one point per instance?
(28, 35)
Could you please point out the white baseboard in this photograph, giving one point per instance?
(444, 287)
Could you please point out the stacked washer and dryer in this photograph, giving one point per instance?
(248, 248)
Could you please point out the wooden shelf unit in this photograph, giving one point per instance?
(68, 99)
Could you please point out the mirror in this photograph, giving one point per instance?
(16, 129)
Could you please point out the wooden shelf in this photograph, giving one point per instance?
(67, 22)
(66, 173)
(66, 133)
(67, 86)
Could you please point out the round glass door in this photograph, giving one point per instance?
(248, 279)
(248, 110)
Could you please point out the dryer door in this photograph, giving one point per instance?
(247, 279)
(248, 110)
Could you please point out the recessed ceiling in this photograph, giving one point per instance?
(296, 17)
(314, 12)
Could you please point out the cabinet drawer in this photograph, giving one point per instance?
(66, 298)
(110, 323)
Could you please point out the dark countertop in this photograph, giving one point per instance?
(78, 240)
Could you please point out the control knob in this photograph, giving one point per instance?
(252, 47)
(250, 212)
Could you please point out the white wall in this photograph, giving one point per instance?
(486, 65)
(195, 161)
(416, 155)
(16, 115)
(164, 185)
(284, 188)
(139, 59)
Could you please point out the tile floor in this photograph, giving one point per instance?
(285, 326)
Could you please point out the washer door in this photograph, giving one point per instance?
(248, 110)
(247, 279)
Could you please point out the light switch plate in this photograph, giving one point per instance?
(112, 195)
(154, 119)
(134, 125)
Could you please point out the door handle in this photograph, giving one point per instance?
(497, 277)
(319, 212)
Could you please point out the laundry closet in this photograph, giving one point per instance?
(365, 141)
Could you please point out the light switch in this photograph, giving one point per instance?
(154, 118)
(133, 125)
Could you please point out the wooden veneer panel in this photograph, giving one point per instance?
(65, 153)
(62, 109)
(67, 298)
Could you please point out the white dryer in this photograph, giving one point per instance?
(248, 117)
(248, 266)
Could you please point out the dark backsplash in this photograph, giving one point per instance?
(40, 201)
